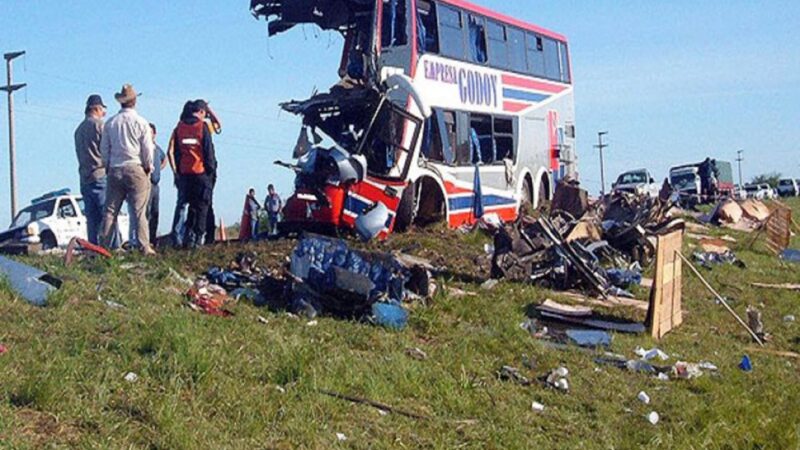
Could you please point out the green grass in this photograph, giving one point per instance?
(206, 382)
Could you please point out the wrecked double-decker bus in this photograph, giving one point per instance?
(444, 111)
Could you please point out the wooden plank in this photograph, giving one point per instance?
(612, 302)
(779, 235)
(665, 312)
(773, 352)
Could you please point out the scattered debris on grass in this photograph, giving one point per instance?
(643, 397)
(131, 377)
(508, 373)
(746, 365)
(653, 418)
(374, 404)
(416, 353)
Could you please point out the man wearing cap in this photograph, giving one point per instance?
(214, 126)
(90, 165)
(127, 147)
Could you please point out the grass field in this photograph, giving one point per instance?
(212, 383)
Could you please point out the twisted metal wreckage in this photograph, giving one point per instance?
(367, 124)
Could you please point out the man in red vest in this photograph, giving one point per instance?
(197, 168)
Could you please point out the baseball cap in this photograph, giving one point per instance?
(95, 100)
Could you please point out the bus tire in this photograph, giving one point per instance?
(406, 211)
(543, 196)
(526, 203)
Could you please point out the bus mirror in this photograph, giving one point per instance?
(403, 82)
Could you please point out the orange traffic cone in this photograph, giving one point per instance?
(223, 235)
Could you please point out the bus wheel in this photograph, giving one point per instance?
(407, 211)
(543, 196)
(526, 206)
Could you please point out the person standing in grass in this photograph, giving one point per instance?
(90, 165)
(274, 206)
(196, 165)
(249, 224)
(127, 150)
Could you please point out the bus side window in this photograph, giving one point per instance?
(516, 50)
(552, 61)
(498, 44)
(477, 39)
(451, 32)
(463, 146)
(428, 32)
(482, 126)
(565, 75)
(393, 28)
(504, 138)
(437, 146)
(536, 66)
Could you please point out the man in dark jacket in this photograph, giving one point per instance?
(197, 168)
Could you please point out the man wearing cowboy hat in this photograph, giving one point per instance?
(127, 148)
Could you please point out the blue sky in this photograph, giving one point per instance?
(671, 81)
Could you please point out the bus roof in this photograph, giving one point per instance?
(504, 18)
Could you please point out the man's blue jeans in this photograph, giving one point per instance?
(94, 200)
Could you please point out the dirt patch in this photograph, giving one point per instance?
(39, 429)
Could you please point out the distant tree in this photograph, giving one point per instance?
(771, 179)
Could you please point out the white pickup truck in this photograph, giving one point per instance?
(637, 182)
(53, 220)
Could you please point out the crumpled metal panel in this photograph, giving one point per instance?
(31, 284)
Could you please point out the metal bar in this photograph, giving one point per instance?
(720, 298)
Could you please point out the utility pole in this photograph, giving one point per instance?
(10, 88)
(739, 159)
(601, 146)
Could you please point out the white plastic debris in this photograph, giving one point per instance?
(562, 372)
(643, 397)
(262, 320)
(706, 365)
(488, 285)
(341, 437)
(313, 323)
(538, 407)
(131, 377)
(280, 389)
(653, 418)
(562, 384)
(647, 355)
(663, 377)
(789, 318)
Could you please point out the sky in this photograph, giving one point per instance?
(671, 82)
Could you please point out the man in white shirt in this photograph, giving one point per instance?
(127, 149)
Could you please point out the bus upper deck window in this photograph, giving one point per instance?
(451, 32)
(427, 31)
(477, 40)
(393, 26)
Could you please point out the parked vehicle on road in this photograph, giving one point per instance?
(637, 182)
(704, 182)
(52, 220)
(759, 191)
(788, 187)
